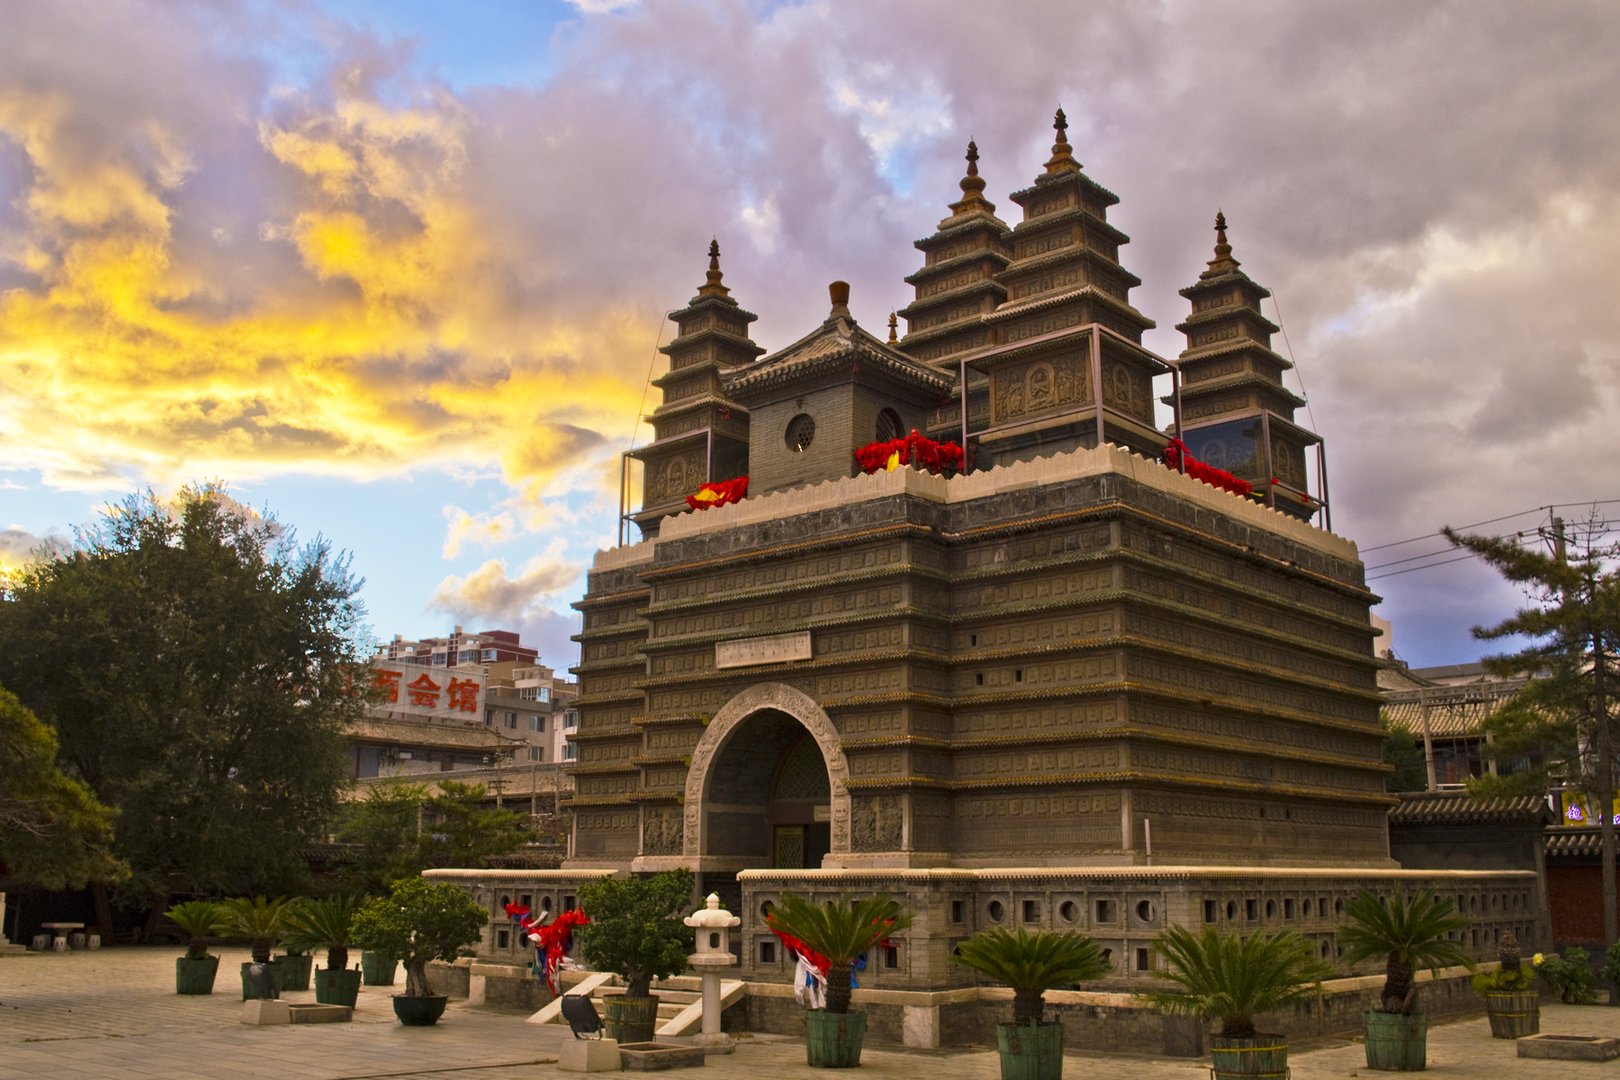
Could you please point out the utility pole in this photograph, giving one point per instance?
(1605, 741)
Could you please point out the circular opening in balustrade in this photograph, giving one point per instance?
(1067, 911)
(996, 911)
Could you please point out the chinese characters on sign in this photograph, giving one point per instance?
(424, 691)
(464, 695)
(413, 690)
(387, 683)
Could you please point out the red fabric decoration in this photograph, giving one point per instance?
(1177, 451)
(719, 493)
(550, 941)
(913, 449)
(820, 963)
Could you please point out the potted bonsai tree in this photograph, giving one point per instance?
(636, 932)
(418, 923)
(839, 932)
(1511, 1001)
(294, 965)
(1032, 964)
(261, 921)
(328, 924)
(1234, 979)
(1409, 932)
(198, 920)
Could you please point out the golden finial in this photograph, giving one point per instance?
(894, 322)
(973, 186)
(713, 287)
(1062, 152)
(1223, 260)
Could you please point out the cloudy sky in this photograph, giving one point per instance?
(396, 269)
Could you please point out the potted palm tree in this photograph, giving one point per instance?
(1234, 979)
(328, 924)
(1032, 964)
(1409, 932)
(840, 931)
(261, 921)
(295, 964)
(1511, 1000)
(418, 923)
(636, 932)
(198, 920)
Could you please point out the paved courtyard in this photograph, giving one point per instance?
(114, 1013)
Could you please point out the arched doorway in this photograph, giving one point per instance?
(769, 800)
(768, 784)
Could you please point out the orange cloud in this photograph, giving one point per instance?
(390, 337)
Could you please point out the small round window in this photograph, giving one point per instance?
(888, 426)
(801, 431)
(996, 911)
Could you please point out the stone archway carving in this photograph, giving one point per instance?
(757, 698)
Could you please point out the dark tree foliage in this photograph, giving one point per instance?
(1553, 721)
(402, 830)
(53, 832)
(195, 664)
(1403, 750)
(636, 928)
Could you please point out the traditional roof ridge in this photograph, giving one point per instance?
(1222, 383)
(1226, 314)
(1461, 808)
(1023, 307)
(1032, 264)
(956, 262)
(1232, 345)
(1068, 215)
(837, 337)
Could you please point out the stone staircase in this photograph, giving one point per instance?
(680, 999)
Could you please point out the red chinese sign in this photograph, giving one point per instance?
(464, 694)
(387, 683)
(424, 691)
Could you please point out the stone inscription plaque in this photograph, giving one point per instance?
(748, 652)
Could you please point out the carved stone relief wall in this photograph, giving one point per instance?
(674, 477)
(662, 831)
(1042, 386)
(876, 823)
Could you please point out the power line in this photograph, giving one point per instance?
(1491, 521)
(1415, 569)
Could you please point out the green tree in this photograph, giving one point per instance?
(466, 832)
(402, 830)
(1405, 753)
(53, 831)
(420, 922)
(636, 929)
(1562, 722)
(195, 664)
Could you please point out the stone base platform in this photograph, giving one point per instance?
(1569, 1047)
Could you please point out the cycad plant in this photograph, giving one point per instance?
(324, 924)
(198, 920)
(1410, 932)
(1234, 978)
(839, 930)
(259, 920)
(1032, 964)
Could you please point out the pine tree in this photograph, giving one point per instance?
(1563, 716)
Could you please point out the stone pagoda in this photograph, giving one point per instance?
(700, 434)
(1236, 414)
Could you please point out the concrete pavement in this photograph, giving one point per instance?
(114, 1013)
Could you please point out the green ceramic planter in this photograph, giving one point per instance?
(1248, 1059)
(1397, 1043)
(337, 987)
(833, 1040)
(1030, 1051)
(195, 976)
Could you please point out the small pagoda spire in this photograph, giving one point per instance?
(1223, 261)
(713, 286)
(972, 186)
(894, 323)
(1062, 152)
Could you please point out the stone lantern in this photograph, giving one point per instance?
(713, 924)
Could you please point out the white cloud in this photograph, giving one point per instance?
(490, 595)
